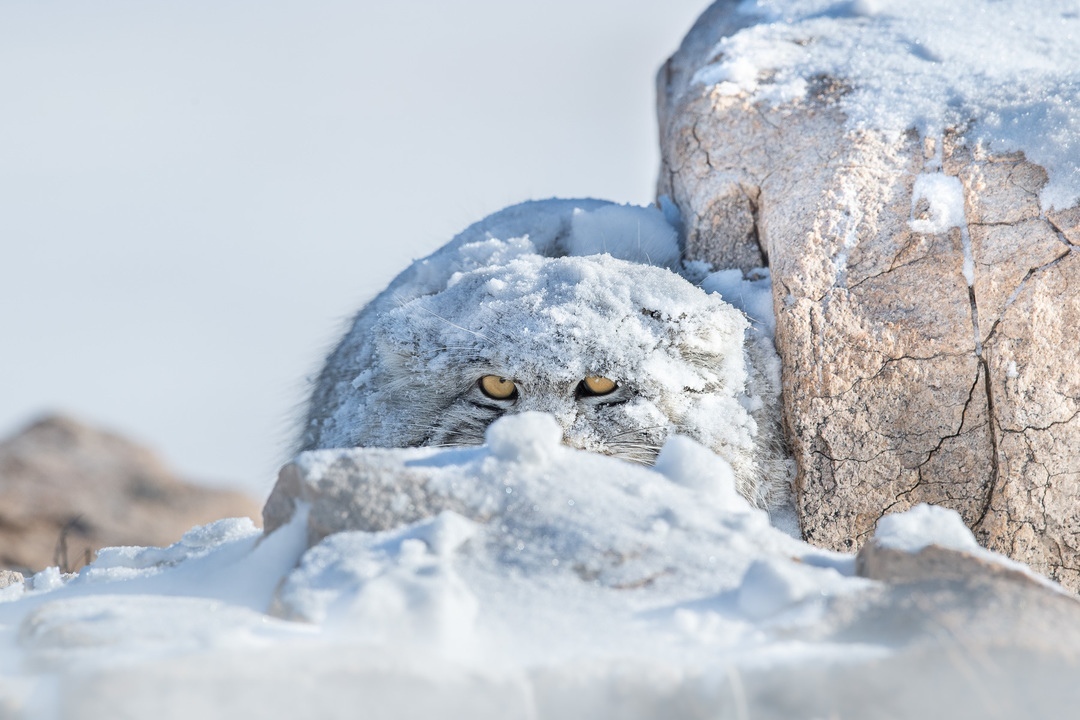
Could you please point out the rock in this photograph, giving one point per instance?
(67, 489)
(354, 491)
(950, 633)
(935, 563)
(902, 383)
(967, 636)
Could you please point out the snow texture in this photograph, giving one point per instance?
(1005, 73)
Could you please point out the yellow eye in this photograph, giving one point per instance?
(497, 388)
(598, 385)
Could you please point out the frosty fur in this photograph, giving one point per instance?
(547, 293)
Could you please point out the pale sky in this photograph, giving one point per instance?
(195, 196)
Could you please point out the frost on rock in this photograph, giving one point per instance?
(909, 172)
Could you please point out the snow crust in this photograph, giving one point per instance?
(1008, 73)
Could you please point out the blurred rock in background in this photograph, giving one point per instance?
(68, 489)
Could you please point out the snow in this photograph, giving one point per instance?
(751, 293)
(581, 558)
(637, 234)
(532, 436)
(929, 525)
(1005, 73)
(944, 196)
(922, 526)
(687, 463)
(389, 588)
(574, 575)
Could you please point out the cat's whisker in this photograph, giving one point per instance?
(466, 354)
(399, 299)
(455, 325)
(640, 430)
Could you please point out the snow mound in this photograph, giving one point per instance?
(567, 584)
(926, 65)
(546, 510)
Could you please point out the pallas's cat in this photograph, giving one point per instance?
(570, 307)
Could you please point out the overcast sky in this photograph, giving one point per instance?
(195, 195)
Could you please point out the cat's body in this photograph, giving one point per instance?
(519, 313)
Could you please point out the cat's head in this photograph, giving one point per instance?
(621, 354)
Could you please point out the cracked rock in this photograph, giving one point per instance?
(921, 363)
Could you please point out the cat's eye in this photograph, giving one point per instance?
(497, 388)
(597, 385)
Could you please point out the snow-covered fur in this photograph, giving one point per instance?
(507, 299)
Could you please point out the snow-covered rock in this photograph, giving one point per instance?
(910, 173)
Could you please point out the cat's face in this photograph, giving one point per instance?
(621, 354)
(596, 413)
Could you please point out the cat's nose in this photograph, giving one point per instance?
(563, 412)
